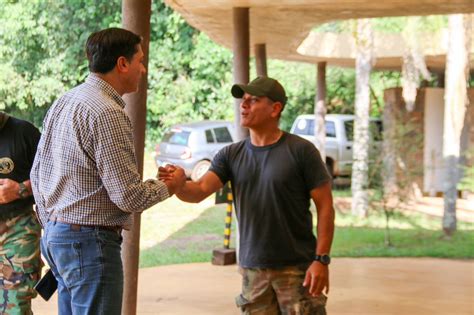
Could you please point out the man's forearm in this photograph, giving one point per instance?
(192, 192)
(325, 231)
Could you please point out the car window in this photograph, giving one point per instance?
(330, 129)
(222, 135)
(349, 127)
(177, 137)
(209, 136)
(375, 129)
(306, 127)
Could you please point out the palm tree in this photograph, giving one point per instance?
(360, 155)
(455, 102)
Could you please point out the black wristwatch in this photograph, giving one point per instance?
(22, 191)
(323, 259)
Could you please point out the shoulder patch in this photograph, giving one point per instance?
(6, 165)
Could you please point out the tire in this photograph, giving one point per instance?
(200, 169)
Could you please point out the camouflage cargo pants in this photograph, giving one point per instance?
(20, 263)
(278, 291)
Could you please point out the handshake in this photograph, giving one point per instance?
(173, 176)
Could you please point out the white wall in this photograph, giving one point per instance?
(433, 141)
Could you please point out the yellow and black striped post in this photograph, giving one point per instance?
(228, 220)
(226, 255)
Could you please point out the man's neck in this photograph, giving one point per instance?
(114, 82)
(260, 138)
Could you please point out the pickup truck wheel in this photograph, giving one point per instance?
(200, 169)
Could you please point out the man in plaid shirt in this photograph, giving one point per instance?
(86, 181)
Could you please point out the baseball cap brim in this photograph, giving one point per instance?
(238, 90)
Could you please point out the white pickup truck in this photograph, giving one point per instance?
(339, 136)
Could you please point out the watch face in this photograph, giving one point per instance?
(325, 259)
(23, 192)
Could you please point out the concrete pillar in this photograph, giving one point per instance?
(241, 49)
(136, 18)
(320, 112)
(261, 60)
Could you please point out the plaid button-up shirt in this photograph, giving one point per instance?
(85, 169)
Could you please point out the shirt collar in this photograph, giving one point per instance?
(94, 80)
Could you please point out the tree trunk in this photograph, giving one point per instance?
(413, 63)
(320, 111)
(360, 167)
(455, 102)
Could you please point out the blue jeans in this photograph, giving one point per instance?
(88, 267)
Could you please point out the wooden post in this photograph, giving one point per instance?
(136, 18)
(320, 112)
(241, 47)
(261, 59)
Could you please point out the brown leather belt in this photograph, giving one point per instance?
(77, 227)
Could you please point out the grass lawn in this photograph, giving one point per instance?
(414, 235)
(174, 232)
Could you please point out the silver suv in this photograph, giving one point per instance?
(339, 136)
(192, 146)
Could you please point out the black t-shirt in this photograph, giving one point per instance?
(18, 142)
(271, 187)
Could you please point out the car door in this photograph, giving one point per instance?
(223, 138)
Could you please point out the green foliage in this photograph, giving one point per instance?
(42, 55)
(189, 75)
(42, 50)
(431, 23)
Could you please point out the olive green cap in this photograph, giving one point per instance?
(261, 86)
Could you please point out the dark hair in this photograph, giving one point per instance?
(103, 48)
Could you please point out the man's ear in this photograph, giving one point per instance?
(122, 64)
(277, 109)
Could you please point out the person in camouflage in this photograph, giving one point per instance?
(20, 261)
(274, 175)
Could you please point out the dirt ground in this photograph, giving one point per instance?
(369, 286)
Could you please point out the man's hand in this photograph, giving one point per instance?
(9, 190)
(166, 172)
(317, 278)
(174, 178)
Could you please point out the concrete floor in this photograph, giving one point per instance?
(358, 286)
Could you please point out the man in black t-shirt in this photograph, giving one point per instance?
(273, 175)
(20, 262)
